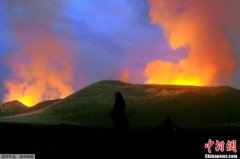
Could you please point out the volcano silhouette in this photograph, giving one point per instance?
(146, 105)
(12, 108)
(15, 107)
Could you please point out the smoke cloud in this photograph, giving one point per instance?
(44, 72)
(42, 65)
(201, 27)
(49, 49)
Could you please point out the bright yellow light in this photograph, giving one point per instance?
(26, 101)
(161, 72)
(187, 82)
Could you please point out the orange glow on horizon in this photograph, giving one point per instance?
(192, 25)
(125, 75)
(161, 72)
(183, 82)
(26, 101)
(42, 71)
(195, 82)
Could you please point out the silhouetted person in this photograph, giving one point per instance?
(118, 112)
(168, 124)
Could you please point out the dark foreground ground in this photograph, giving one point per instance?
(74, 142)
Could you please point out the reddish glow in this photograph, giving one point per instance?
(42, 71)
(192, 25)
(125, 75)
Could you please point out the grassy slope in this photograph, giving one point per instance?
(149, 103)
(12, 108)
(15, 107)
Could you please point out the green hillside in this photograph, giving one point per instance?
(147, 105)
(15, 107)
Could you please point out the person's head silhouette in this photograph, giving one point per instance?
(118, 96)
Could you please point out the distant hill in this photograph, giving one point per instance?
(12, 108)
(44, 104)
(15, 107)
(147, 105)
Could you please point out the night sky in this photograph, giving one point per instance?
(51, 48)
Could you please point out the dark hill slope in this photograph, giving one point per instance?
(12, 108)
(15, 107)
(147, 105)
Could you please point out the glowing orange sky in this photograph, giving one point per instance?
(182, 42)
(44, 72)
(197, 26)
